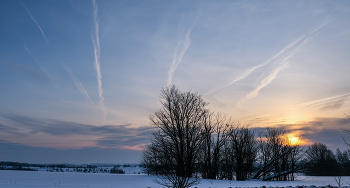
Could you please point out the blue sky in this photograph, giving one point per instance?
(82, 77)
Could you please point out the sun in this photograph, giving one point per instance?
(293, 140)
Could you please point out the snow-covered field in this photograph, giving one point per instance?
(11, 178)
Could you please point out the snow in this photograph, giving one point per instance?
(29, 179)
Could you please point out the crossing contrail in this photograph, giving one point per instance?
(262, 84)
(285, 49)
(31, 16)
(77, 83)
(180, 51)
(272, 75)
(45, 71)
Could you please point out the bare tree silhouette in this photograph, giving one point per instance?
(180, 137)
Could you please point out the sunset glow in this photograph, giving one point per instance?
(84, 75)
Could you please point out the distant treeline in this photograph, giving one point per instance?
(16, 168)
(9, 165)
(17, 164)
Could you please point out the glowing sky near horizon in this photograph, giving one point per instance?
(83, 76)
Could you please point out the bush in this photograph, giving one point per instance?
(115, 170)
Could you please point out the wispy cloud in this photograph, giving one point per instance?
(334, 105)
(248, 72)
(290, 46)
(293, 48)
(179, 52)
(333, 102)
(31, 16)
(41, 67)
(113, 136)
(272, 75)
(316, 130)
(262, 84)
(97, 49)
(26, 48)
(77, 83)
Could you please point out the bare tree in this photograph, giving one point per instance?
(214, 132)
(346, 140)
(338, 179)
(152, 158)
(244, 150)
(149, 161)
(191, 141)
(296, 160)
(343, 159)
(180, 137)
(227, 162)
(320, 160)
(278, 159)
(271, 151)
(347, 132)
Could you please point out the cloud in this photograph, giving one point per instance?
(296, 42)
(123, 142)
(10, 130)
(40, 155)
(325, 130)
(328, 103)
(31, 16)
(116, 136)
(334, 105)
(77, 83)
(97, 49)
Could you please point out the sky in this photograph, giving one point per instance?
(79, 79)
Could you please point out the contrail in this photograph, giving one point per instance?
(77, 83)
(96, 43)
(322, 101)
(41, 67)
(29, 52)
(286, 48)
(247, 73)
(271, 77)
(180, 50)
(31, 16)
(263, 83)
